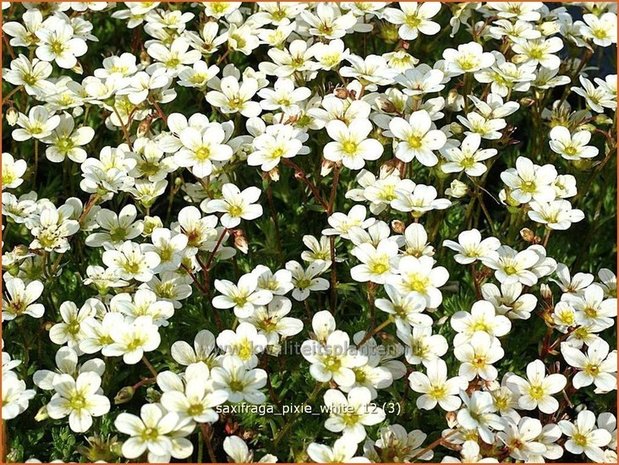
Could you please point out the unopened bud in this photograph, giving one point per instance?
(152, 395)
(527, 101)
(11, 116)
(549, 28)
(451, 419)
(456, 128)
(143, 127)
(527, 234)
(274, 350)
(274, 174)
(326, 167)
(398, 226)
(78, 68)
(603, 120)
(124, 395)
(457, 189)
(42, 414)
(341, 92)
(151, 223)
(545, 291)
(455, 101)
(144, 58)
(240, 241)
(389, 32)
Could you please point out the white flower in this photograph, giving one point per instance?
(306, 280)
(235, 205)
(436, 387)
(194, 398)
(351, 144)
(39, 124)
(175, 58)
(571, 146)
(418, 275)
(156, 431)
(539, 51)
(327, 21)
(378, 263)
(584, 437)
(59, 43)
(478, 413)
(334, 360)
(421, 345)
(119, 227)
(272, 321)
(341, 223)
(244, 343)
(202, 350)
(512, 266)
(15, 396)
(468, 58)
(66, 141)
(597, 366)
(12, 171)
(238, 451)
(477, 356)
(243, 297)
(481, 319)
(32, 75)
(349, 415)
(416, 138)
(414, 18)
(132, 339)
(602, 30)
(529, 181)
(419, 200)
(592, 307)
(71, 329)
(557, 214)
(467, 157)
(343, 451)
(471, 247)
(509, 300)
(284, 96)
(240, 382)
(201, 148)
(277, 142)
(78, 399)
(132, 261)
(235, 97)
(406, 309)
(522, 438)
(536, 391)
(20, 299)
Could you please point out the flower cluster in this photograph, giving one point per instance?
(309, 231)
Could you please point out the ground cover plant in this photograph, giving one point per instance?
(328, 232)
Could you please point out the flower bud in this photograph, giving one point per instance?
(78, 68)
(389, 32)
(603, 120)
(151, 223)
(545, 291)
(457, 189)
(124, 395)
(42, 414)
(398, 226)
(144, 127)
(549, 28)
(11, 116)
(341, 92)
(326, 167)
(455, 101)
(527, 234)
(240, 241)
(456, 128)
(274, 174)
